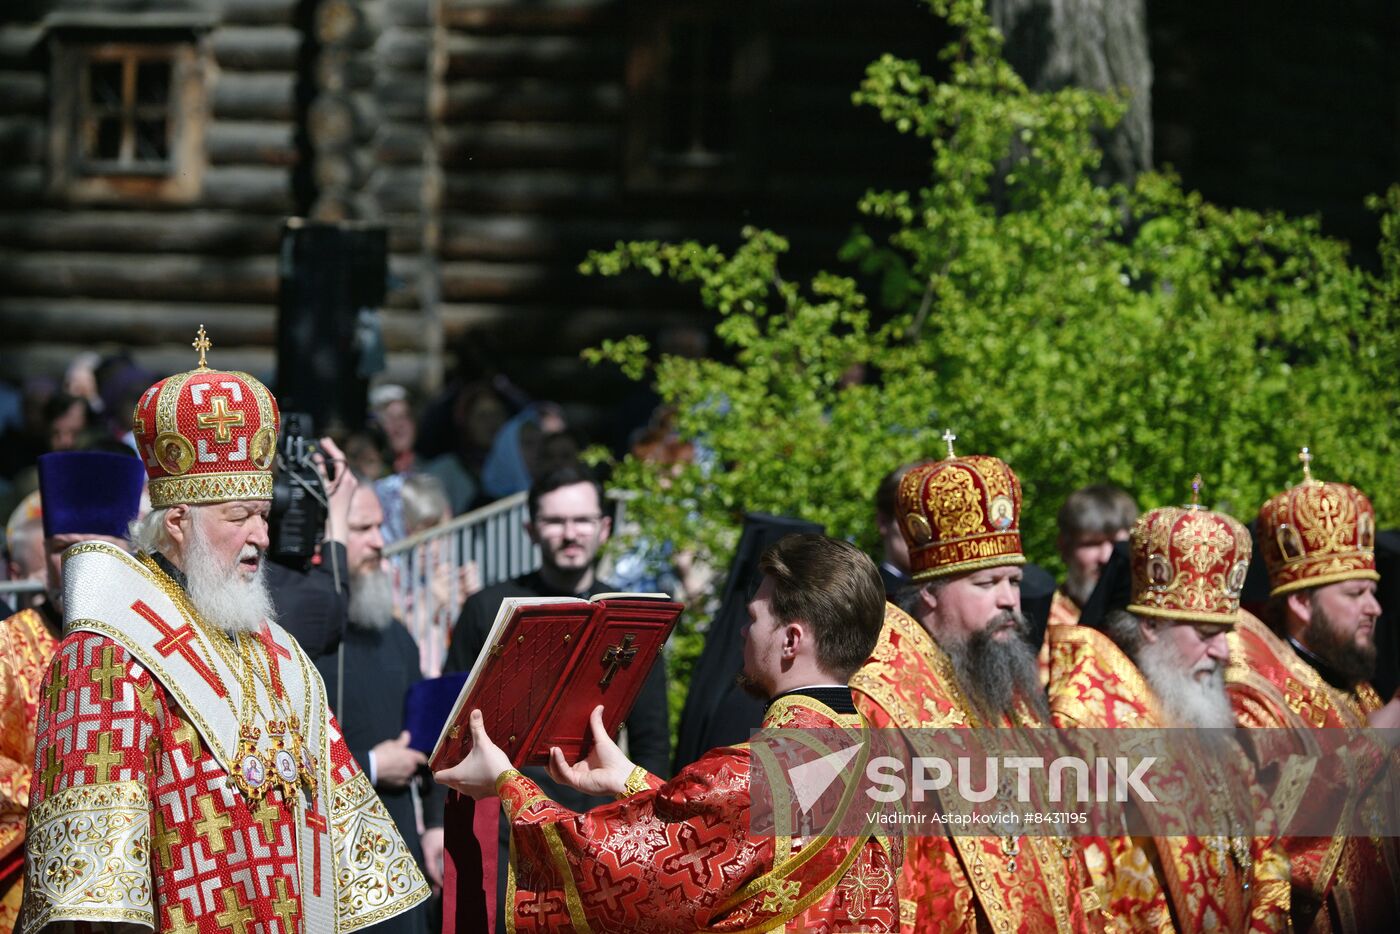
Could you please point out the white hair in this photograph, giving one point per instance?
(147, 533)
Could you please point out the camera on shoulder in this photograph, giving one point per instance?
(299, 497)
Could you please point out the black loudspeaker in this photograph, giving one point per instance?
(333, 279)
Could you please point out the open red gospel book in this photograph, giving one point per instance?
(547, 663)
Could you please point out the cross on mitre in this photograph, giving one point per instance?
(202, 344)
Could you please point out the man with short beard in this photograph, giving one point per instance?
(183, 728)
(377, 650)
(955, 653)
(1309, 669)
(1160, 663)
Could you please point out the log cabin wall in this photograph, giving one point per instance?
(129, 262)
(133, 266)
(567, 125)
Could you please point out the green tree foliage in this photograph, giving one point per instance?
(1081, 332)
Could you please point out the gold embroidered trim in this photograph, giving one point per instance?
(561, 861)
(203, 488)
(636, 783)
(504, 777)
(376, 876)
(89, 857)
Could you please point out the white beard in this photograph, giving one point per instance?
(371, 600)
(221, 595)
(1186, 700)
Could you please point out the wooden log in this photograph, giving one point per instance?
(23, 360)
(402, 143)
(260, 189)
(586, 102)
(339, 71)
(571, 16)
(26, 92)
(87, 230)
(21, 47)
(164, 277)
(532, 190)
(23, 141)
(260, 143)
(472, 281)
(337, 121)
(579, 325)
(345, 23)
(254, 96)
(260, 12)
(404, 50)
(413, 13)
(347, 170)
(22, 186)
(507, 145)
(533, 57)
(85, 320)
(398, 189)
(256, 48)
(402, 96)
(569, 239)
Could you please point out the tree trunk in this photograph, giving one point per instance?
(1097, 44)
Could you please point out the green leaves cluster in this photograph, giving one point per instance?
(1083, 332)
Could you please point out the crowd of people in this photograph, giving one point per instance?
(196, 737)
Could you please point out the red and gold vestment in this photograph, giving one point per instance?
(1340, 883)
(137, 815)
(26, 646)
(1164, 883)
(679, 856)
(967, 883)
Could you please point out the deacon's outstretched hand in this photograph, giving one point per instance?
(603, 772)
(476, 774)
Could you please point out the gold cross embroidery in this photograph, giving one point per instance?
(165, 837)
(782, 896)
(266, 815)
(212, 827)
(52, 769)
(221, 419)
(285, 907)
(107, 672)
(180, 922)
(235, 916)
(54, 691)
(103, 759)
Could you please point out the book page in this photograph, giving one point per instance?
(503, 617)
(600, 597)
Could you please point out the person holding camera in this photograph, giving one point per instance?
(310, 584)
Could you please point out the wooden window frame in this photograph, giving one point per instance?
(76, 177)
(648, 167)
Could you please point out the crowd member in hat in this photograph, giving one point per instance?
(955, 653)
(184, 726)
(1308, 669)
(1160, 662)
(86, 496)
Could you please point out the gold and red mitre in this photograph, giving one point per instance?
(1317, 533)
(960, 514)
(207, 436)
(1188, 564)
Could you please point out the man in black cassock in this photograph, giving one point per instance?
(379, 661)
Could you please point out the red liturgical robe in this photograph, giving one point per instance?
(679, 857)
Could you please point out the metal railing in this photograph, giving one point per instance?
(437, 569)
